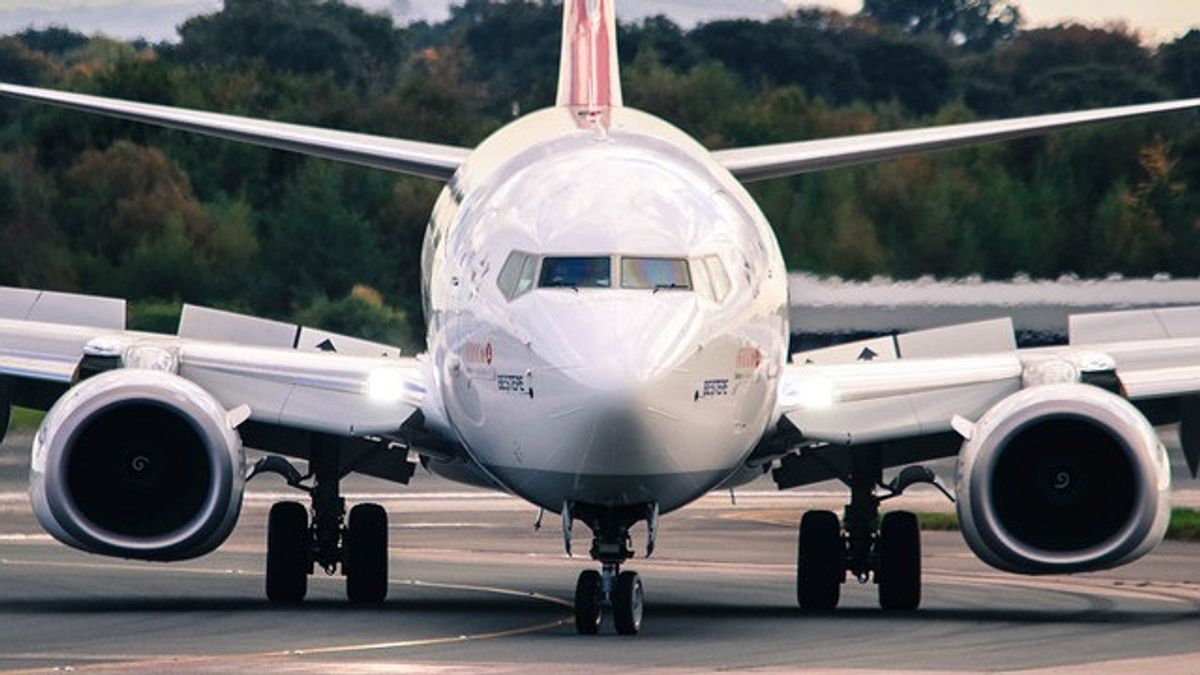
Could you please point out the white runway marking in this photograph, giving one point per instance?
(422, 526)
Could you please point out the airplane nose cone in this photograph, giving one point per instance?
(621, 343)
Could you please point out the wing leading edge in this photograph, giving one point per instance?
(366, 389)
(786, 159)
(1150, 357)
(428, 160)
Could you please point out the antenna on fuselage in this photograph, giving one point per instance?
(589, 75)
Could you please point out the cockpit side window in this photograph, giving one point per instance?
(576, 272)
(516, 277)
(656, 273)
(717, 277)
(528, 275)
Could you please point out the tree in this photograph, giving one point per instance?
(361, 313)
(702, 101)
(676, 49)
(297, 36)
(56, 40)
(33, 252)
(1179, 64)
(1090, 86)
(974, 24)
(315, 242)
(515, 49)
(913, 73)
(783, 52)
(20, 65)
(137, 230)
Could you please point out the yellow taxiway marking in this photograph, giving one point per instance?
(123, 661)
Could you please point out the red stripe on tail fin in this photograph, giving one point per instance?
(589, 75)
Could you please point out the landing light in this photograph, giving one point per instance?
(387, 385)
(813, 392)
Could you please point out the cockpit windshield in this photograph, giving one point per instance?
(590, 272)
(656, 273)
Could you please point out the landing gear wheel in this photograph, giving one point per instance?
(589, 602)
(288, 562)
(627, 603)
(820, 561)
(365, 548)
(898, 552)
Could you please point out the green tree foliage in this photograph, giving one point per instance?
(674, 48)
(160, 217)
(297, 36)
(1179, 64)
(1044, 69)
(362, 313)
(54, 41)
(514, 47)
(316, 242)
(975, 24)
(21, 65)
(136, 228)
(782, 52)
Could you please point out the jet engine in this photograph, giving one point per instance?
(1063, 478)
(138, 464)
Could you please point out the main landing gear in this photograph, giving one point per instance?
(887, 549)
(610, 589)
(296, 544)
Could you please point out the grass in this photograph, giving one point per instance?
(938, 522)
(1185, 524)
(24, 419)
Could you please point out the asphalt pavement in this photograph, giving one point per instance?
(475, 587)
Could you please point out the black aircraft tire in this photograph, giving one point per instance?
(288, 563)
(628, 603)
(589, 602)
(820, 561)
(899, 561)
(366, 554)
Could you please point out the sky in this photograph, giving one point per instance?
(155, 20)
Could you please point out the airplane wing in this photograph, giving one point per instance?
(786, 159)
(922, 388)
(284, 375)
(429, 160)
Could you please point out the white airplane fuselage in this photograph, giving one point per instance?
(605, 396)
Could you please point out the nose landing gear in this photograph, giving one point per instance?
(610, 589)
(619, 592)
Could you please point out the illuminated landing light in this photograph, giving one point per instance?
(812, 392)
(387, 385)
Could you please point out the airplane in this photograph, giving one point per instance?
(608, 333)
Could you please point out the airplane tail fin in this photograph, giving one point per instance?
(589, 75)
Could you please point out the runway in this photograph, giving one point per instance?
(474, 586)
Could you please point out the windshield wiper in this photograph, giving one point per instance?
(668, 287)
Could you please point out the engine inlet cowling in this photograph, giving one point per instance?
(138, 464)
(1063, 478)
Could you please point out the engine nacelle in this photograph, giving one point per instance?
(138, 464)
(1063, 478)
